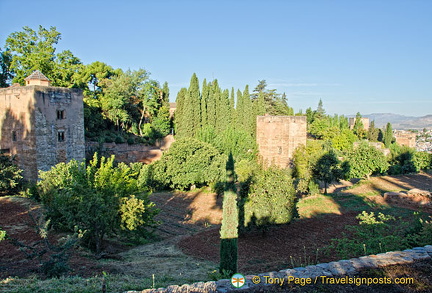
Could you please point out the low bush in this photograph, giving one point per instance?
(10, 174)
(381, 233)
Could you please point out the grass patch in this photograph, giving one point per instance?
(309, 207)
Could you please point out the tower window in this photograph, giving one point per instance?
(60, 136)
(60, 114)
(14, 136)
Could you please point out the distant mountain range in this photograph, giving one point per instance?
(400, 122)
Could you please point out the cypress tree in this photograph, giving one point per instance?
(223, 113)
(194, 106)
(229, 229)
(214, 96)
(248, 116)
(388, 135)
(204, 100)
(179, 121)
(165, 93)
(239, 110)
(232, 108)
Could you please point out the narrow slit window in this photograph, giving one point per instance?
(14, 136)
(61, 136)
(60, 114)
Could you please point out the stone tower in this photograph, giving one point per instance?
(278, 137)
(41, 125)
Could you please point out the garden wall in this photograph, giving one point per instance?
(340, 268)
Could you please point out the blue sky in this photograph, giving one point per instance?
(368, 56)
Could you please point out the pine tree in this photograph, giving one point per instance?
(229, 229)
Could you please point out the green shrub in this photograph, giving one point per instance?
(98, 200)
(2, 235)
(10, 174)
(271, 199)
(366, 160)
(380, 233)
(119, 139)
(189, 162)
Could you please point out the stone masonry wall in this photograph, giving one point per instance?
(29, 126)
(339, 269)
(17, 131)
(50, 149)
(278, 137)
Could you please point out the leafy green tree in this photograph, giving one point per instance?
(271, 102)
(161, 123)
(270, 200)
(342, 140)
(230, 219)
(10, 174)
(5, 74)
(319, 127)
(422, 161)
(98, 200)
(365, 160)
(32, 50)
(305, 159)
(328, 169)
(91, 78)
(189, 162)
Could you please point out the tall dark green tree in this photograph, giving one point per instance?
(204, 101)
(388, 135)
(229, 228)
(194, 106)
(179, 115)
(165, 92)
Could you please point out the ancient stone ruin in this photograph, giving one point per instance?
(278, 137)
(364, 121)
(41, 125)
